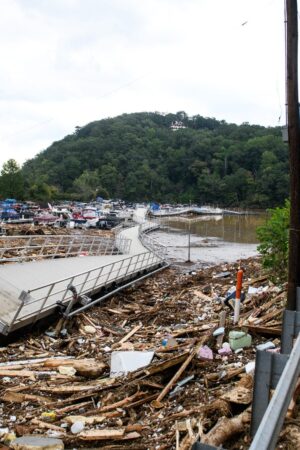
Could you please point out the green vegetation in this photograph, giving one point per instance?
(11, 180)
(273, 237)
(139, 157)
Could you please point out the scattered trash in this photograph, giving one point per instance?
(37, 442)
(77, 427)
(250, 366)
(266, 346)
(124, 362)
(49, 416)
(225, 350)
(169, 342)
(66, 380)
(239, 340)
(219, 331)
(179, 387)
(205, 353)
(89, 329)
(67, 370)
(222, 275)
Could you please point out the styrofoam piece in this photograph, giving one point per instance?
(249, 368)
(265, 346)
(124, 362)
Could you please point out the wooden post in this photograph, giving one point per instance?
(294, 148)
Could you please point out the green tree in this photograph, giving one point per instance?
(11, 180)
(138, 156)
(88, 185)
(273, 237)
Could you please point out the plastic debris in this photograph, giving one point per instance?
(77, 427)
(124, 362)
(266, 346)
(205, 353)
(179, 387)
(89, 329)
(219, 331)
(249, 368)
(239, 340)
(225, 350)
(67, 370)
(222, 275)
(169, 342)
(49, 416)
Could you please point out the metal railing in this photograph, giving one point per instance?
(24, 248)
(152, 244)
(37, 301)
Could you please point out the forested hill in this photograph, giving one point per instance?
(140, 157)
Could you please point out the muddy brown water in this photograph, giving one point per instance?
(213, 239)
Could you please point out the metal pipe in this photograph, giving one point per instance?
(100, 299)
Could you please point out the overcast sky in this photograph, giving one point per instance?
(68, 62)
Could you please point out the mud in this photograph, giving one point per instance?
(204, 251)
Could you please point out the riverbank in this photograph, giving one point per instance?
(185, 389)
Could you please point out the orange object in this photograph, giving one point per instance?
(239, 282)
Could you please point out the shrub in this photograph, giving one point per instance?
(273, 237)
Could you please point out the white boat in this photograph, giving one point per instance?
(89, 212)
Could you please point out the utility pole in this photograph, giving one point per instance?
(189, 242)
(294, 148)
(189, 238)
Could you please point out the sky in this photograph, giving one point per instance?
(65, 63)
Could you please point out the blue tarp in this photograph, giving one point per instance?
(9, 213)
(154, 206)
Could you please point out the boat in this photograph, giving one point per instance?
(89, 212)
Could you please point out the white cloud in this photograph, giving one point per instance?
(67, 62)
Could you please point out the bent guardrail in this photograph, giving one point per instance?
(25, 248)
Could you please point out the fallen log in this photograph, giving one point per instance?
(17, 397)
(226, 428)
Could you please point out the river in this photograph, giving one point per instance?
(213, 239)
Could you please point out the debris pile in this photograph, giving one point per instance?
(30, 242)
(154, 367)
(46, 230)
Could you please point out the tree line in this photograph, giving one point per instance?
(139, 157)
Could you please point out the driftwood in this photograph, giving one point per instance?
(265, 330)
(241, 393)
(47, 426)
(105, 382)
(16, 397)
(116, 411)
(105, 434)
(221, 324)
(225, 428)
(122, 402)
(156, 403)
(127, 336)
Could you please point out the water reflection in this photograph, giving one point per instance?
(236, 228)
